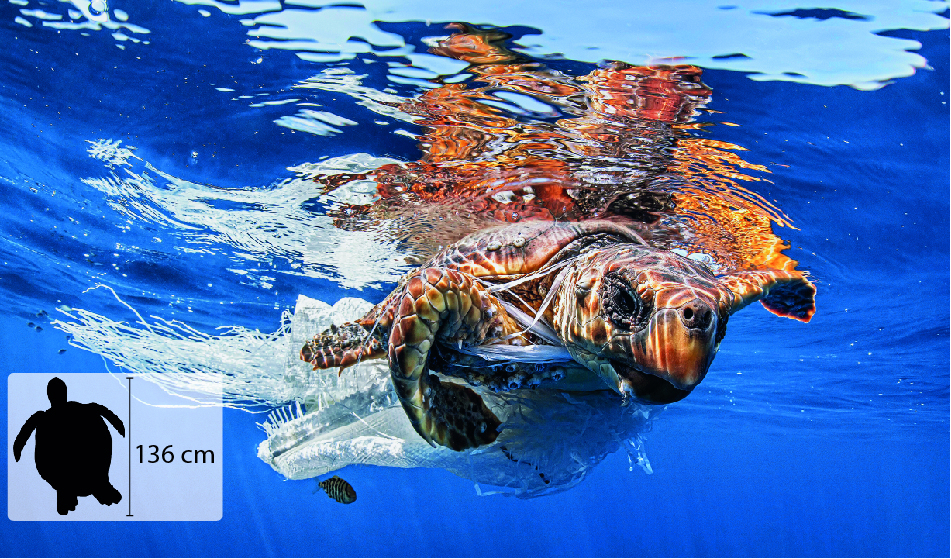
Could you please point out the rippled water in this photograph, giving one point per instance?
(210, 162)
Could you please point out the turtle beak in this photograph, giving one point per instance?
(672, 355)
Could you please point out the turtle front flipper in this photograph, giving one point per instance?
(783, 293)
(25, 432)
(443, 306)
(453, 415)
(344, 345)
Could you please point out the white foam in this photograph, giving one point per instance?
(259, 224)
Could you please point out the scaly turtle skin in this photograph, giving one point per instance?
(646, 321)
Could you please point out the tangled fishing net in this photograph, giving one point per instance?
(321, 422)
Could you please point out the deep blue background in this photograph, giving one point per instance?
(861, 470)
(720, 487)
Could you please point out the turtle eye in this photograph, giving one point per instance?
(621, 306)
(625, 303)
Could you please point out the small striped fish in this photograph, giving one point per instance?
(338, 490)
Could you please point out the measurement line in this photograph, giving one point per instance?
(128, 436)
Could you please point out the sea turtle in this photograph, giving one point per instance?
(73, 448)
(647, 321)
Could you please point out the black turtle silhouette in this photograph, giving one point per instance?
(73, 448)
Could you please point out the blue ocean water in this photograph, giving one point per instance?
(151, 147)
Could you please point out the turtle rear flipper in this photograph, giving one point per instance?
(107, 494)
(344, 345)
(66, 501)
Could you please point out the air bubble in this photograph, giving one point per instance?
(98, 7)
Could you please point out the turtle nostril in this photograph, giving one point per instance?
(696, 315)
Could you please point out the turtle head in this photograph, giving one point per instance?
(648, 322)
(56, 391)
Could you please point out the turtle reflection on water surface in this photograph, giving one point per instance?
(600, 292)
